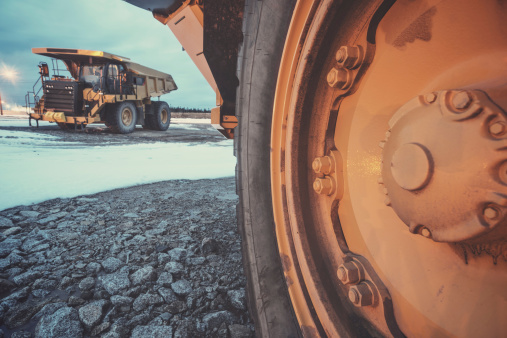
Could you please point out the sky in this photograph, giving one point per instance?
(112, 26)
(22, 151)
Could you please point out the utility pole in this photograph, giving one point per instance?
(1, 108)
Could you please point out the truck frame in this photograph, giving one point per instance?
(103, 88)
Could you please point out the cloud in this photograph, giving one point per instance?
(108, 25)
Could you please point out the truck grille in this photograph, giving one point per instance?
(63, 96)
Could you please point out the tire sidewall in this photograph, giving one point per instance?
(122, 128)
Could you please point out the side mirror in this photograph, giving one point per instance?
(43, 69)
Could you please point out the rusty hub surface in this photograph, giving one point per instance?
(440, 165)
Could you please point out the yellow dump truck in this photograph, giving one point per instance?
(371, 140)
(103, 87)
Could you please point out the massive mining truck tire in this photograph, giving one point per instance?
(121, 117)
(363, 130)
(158, 116)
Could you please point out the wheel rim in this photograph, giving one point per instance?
(126, 117)
(312, 252)
(164, 116)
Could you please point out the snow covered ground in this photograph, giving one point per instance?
(35, 167)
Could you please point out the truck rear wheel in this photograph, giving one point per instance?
(160, 116)
(323, 219)
(122, 118)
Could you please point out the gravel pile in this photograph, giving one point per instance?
(159, 260)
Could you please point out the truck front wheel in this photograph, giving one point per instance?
(122, 118)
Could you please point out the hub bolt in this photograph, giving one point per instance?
(430, 98)
(491, 213)
(349, 56)
(324, 186)
(361, 295)
(322, 165)
(350, 273)
(339, 78)
(461, 100)
(497, 128)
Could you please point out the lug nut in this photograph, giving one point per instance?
(502, 172)
(461, 100)
(430, 98)
(349, 56)
(339, 78)
(425, 232)
(322, 165)
(350, 273)
(497, 128)
(324, 186)
(491, 213)
(361, 295)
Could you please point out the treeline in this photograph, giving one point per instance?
(188, 110)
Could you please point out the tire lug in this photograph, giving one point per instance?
(324, 186)
(339, 78)
(461, 100)
(350, 273)
(361, 295)
(349, 57)
(322, 165)
(497, 129)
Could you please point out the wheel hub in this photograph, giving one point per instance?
(444, 165)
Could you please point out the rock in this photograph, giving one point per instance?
(66, 281)
(185, 329)
(52, 218)
(174, 268)
(131, 215)
(5, 223)
(9, 245)
(152, 331)
(87, 283)
(111, 264)
(177, 254)
(39, 293)
(63, 323)
(21, 314)
(177, 306)
(18, 295)
(142, 275)
(12, 231)
(100, 328)
(168, 295)
(181, 287)
(75, 301)
(6, 286)
(21, 334)
(121, 300)
(208, 246)
(145, 300)
(26, 278)
(91, 314)
(237, 299)
(93, 268)
(48, 309)
(165, 279)
(215, 319)
(115, 283)
(240, 331)
(83, 200)
(29, 213)
(46, 284)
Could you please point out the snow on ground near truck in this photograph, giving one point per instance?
(35, 167)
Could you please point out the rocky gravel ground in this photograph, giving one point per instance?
(158, 260)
